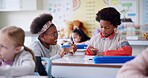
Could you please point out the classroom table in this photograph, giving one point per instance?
(76, 67)
(31, 76)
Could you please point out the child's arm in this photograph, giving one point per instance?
(91, 50)
(125, 50)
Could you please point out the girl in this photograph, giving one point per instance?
(16, 59)
(78, 36)
(46, 43)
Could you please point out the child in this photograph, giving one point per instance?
(78, 36)
(46, 43)
(16, 59)
(137, 68)
(107, 42)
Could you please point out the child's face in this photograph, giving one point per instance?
(51, 36)
(106, 28)
(76, 38)
(7, 48)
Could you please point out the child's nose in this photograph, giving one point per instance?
(103, 30)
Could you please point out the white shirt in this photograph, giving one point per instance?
(23, 65)
(103, 44)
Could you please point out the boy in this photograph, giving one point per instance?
(107, 42)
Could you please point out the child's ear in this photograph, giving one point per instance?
(42, 36)
(18, 49)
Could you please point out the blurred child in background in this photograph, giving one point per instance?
(16, 58)
(78, 36)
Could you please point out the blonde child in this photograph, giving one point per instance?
(16, 59)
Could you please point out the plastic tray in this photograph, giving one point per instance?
(112, 59)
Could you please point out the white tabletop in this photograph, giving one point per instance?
(76, 67)
(25, 77)
(81, 60)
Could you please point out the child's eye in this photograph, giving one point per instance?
(2, 46)
(106, 27)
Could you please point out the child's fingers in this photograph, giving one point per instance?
(90, 46)
(73, 47)
(93, 50)
(64, 51)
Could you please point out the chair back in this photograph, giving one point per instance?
(47, 65)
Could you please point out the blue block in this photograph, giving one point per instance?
(82, 46)
(65, 46)
(112, 59)
(79, 46)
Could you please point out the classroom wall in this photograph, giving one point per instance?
(21, 18)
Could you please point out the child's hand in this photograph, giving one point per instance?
(93, 50)
(64, 51)
(73, 48)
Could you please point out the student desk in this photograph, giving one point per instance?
(76, 67)
(26, 77)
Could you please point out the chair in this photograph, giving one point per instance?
(43, 66)
(47, 65)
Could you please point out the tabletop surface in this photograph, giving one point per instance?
(80, 60)
(25, 77)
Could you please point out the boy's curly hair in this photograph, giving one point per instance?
(39, 22)
(109, 14)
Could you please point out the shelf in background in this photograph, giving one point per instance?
(138, 42)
